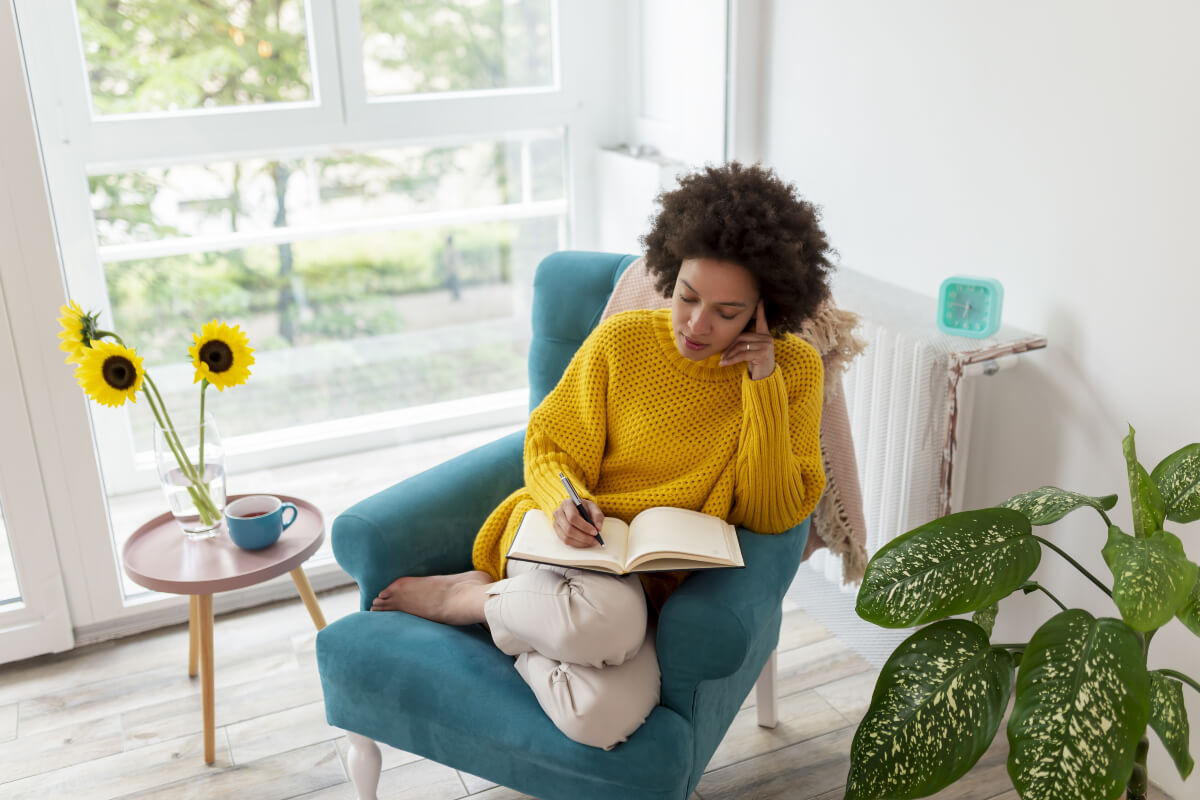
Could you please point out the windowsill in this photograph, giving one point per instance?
(332, 484)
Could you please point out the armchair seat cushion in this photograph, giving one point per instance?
(457, 699)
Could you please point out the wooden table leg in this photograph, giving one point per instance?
(306, 594)
(193, 635)
(205, 613)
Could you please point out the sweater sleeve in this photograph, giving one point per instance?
(780, 473)
(567, 430)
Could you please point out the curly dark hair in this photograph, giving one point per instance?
(749, 216)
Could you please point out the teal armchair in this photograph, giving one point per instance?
(448, 694)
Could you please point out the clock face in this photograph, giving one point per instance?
(970, 306)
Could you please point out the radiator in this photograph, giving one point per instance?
(910, 397)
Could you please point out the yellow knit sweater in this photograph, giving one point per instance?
(636, 425)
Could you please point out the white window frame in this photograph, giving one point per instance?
(41, 621)
(585, 103)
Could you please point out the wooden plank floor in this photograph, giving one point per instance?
(122, 719)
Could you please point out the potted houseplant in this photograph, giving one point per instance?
(1084, 696)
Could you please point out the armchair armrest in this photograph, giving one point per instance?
(709, 624)
(426, 525)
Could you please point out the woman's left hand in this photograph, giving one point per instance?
(756, 348)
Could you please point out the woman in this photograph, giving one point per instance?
(706, 405)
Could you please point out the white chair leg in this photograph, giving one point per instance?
(764, 695)
(364, 762)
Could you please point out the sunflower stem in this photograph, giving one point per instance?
(203, 388)
(102, 334)
(168, 430)
(198, 489)
(204, 505)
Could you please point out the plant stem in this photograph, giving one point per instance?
(1075, 564)
(1010, 646)
(1041, 588)
(1139, 779)
(1107, 521)
(203, 504)
(198, 490)
(1180, 676)
(168, 430)
(203, 387)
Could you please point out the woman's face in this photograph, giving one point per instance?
(712, 303)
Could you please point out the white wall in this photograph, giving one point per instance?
(677, 84)
(1055, 145)
(673, 113)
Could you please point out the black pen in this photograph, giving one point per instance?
(579, 504)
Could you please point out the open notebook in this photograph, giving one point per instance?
(658, 539)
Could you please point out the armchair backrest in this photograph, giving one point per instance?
(570, 290)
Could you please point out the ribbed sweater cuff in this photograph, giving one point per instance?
(765, 452)
(546, 488)
(765, 401)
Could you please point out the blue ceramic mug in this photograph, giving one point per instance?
(256, 521)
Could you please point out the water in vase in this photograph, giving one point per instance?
(179, 499)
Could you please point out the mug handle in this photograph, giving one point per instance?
(295, 513)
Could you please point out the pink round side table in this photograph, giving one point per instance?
(158, 556)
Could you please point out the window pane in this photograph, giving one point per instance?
(150, 55)
(428, 46)
(222, 198)
(10, 592)
(352, 325)
(548, 169)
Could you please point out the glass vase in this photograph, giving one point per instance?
(191, 468)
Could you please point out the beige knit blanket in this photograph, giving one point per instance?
(837, 522)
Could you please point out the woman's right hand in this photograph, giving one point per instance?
(572, 528)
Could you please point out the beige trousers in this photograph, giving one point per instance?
(582, 643)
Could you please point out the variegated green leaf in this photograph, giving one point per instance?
(1168, 717)
(1153, 509)
(1082, 705)
(1131, 469)
(1189, 614)
(953, 565)
(1152, 577)
(986, 617)
(1050, 504)
(1178, 480)
(936, 707)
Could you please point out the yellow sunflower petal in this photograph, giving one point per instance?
(221, 354)
(74, 332)
(110, 373)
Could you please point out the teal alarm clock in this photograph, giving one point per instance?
(970, 306)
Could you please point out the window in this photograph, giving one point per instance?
(369, 280)
(365, 187)
(146, 56)
(456, 46)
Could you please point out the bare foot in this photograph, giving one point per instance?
(456, 599)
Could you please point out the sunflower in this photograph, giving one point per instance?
(221, 355)
(79, 329)
(110, 373)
